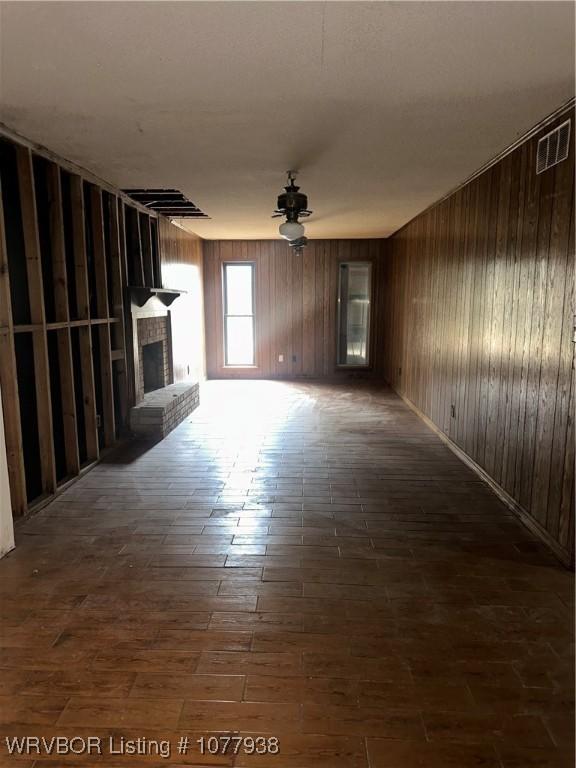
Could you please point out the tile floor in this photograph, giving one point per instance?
(300, 561)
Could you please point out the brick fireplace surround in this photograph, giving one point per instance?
(151, 330)
(158, 412)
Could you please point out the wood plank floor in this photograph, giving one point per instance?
(302, 561)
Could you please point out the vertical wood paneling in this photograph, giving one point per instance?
(296, 304)
(478, 298)
(181, 263)
(308, 308)
(555, 360)
(535, 347)
(146, 248)
(517, 320)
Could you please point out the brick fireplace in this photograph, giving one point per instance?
(159, 404)
(154, 363)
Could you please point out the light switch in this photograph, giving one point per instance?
(280, 358)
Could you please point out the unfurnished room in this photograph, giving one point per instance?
(287, 334)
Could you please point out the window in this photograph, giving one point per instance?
(238, 314)
(354, 313)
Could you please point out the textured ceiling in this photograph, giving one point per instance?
(382, 106)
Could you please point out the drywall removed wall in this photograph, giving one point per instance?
(70, 247)
(477, 329)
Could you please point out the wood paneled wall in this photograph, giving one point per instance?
(478, 327)
(295, 304)
(181, 264)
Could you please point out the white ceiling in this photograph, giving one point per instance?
(382, 106)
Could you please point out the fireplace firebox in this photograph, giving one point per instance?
(154, 362)
(153, 366)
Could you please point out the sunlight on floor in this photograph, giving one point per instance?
(250, 408)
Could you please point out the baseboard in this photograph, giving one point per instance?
(525, 518)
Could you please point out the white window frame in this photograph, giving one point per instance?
(225, 314)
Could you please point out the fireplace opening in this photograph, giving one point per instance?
(153, 366)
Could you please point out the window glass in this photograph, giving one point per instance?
(239, 341)
(354, 313)
(239, 314)
(239, 289)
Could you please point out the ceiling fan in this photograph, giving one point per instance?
(292, 204)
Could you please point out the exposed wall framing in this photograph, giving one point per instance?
(67, 249)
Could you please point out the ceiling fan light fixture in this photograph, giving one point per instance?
(293, 205)
(291, 230)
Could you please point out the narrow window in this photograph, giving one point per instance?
(239, 314)
(354, 289)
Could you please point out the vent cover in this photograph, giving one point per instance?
(553, 148)
(169, 202)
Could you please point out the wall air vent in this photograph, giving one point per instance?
(169, 202)
(553, 148)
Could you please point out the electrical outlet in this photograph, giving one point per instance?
(280, 358)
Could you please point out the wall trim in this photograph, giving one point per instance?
(525, 518)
